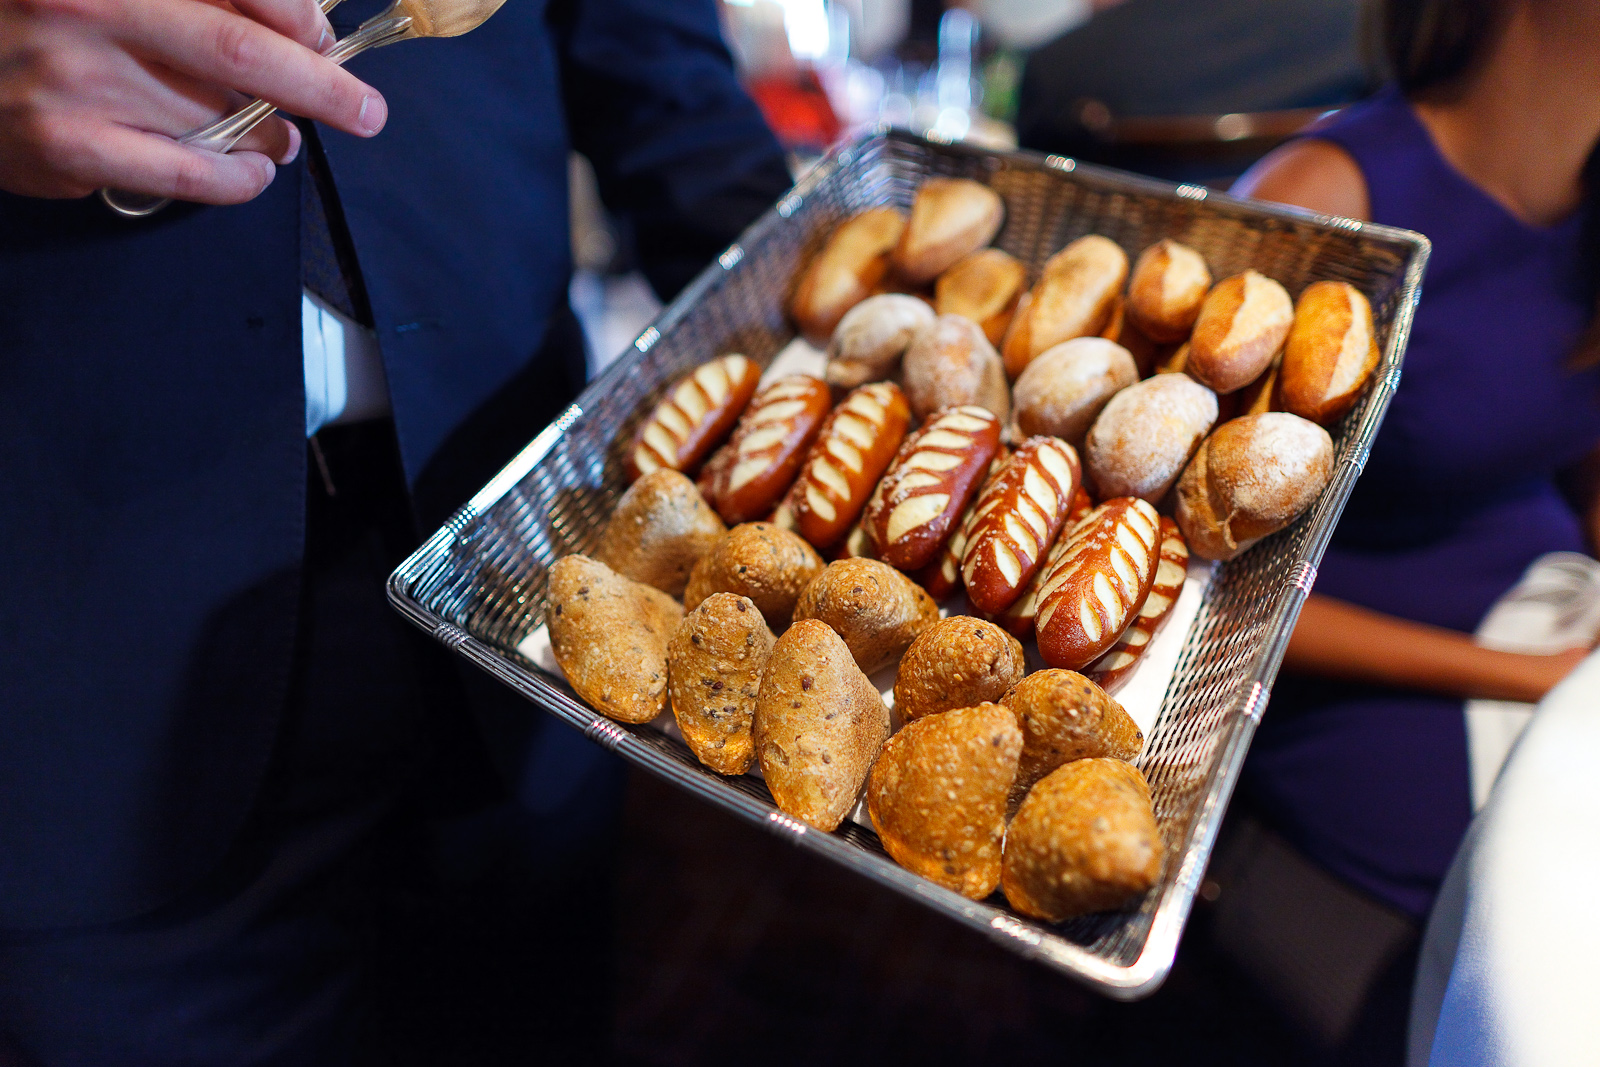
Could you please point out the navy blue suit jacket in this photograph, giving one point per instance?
(152, 445)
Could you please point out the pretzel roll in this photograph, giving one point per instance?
(1145, 435)
(951, 363)
(693, 416)
(983, 287)
(1099, 582)
(1169, 283)
(756, 467)
(1114, 668)
(872, 337)
(950, 218)
(1243, 322)
(853, 449)
(1332, 351)
(916, 506)
(1017, 519)
(942, 577)
(1062, 392)
(845, 272)
(1074, 297)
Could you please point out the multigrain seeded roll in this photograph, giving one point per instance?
(957, 662)
(760, 561)
(660, 529)
(876, 610)
(609, 635)
(715, 661)
(1065, 717)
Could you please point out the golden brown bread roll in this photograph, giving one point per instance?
(847, 270)
(937, 796)
(876, 610)
(660, 529)
(819, 724)
(950, 218)
(760, 561)
(1145, 435)
(1250, 478)
(1169, 283)
(983, 287)
(1075, 297)
(1065, 717)
(1331, 352)
(715, 661)
(1084, 840)
(872, 337)
(950, 364)
(956, 663)
(1062, 392)
(1242, 324)
(609, 635)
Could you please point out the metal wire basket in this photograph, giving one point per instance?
(478, 584)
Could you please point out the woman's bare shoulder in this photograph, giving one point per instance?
(1316, 175)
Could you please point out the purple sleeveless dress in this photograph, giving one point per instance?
(1457, 499)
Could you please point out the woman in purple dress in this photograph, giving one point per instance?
(1482, 145)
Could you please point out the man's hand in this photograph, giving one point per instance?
(94, 92)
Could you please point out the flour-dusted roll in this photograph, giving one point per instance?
(1250, 478)
(849, 268)
(1114, 668)
(1169, 284)
(1331, 353)
(950, 364)
(939, 468)
(983, 287)
(1243, 322)
(950, 218)
(1018, 517)
(871, 338)
(1144, 436)
(660, 529)
(851, 452)
(696, 413)
(1096, 587)
(1061, 393)
(1075, 297)
(758, 464)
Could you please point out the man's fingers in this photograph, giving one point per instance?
(148, 163)
(298, 20)
(218, 46)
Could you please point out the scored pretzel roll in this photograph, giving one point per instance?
(942, 577)
(983, 287)
(935, 475)
(1018, 620)
(1114, 668)
(1168, 286)
(1250, 478)
(849, 267)
(1331, 352)
(1061, 392)
(950, 218)
(1017, 518)
(1074, 297)
(750, 474)
(1144, 436)
(693, 416)
(1098, 583)
(951, 363)
(1242, 324)
(851, 452)
(872, 337)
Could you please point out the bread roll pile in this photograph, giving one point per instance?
(1055, 451)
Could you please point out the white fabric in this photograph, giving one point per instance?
(343, 367)
(1556, 606)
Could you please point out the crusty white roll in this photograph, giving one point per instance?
(950, 364)
(1242, 324)
(1146, 434)
(871, 338)
(1061, 393)
(849, 267)
(950, 218)
(1076, 296)
(1250, 478)
(983, 287)
(1169, 283)
(1331, 352)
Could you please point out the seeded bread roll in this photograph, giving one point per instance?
(1065, 717)
(956, 663)
(1144, 437)
(876, 610)
(760, 561)
(1075, 297)
(714, 665)
(872, 337)
(1331, 352)
(661, 528)
(1250, 478)
(845, 272)
(950, 218)
(983, 287)
(609, 635)
(1242, 324)
(1062, 392)
(951, 364)
(1169, 283)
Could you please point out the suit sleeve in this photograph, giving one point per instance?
(680, 150)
